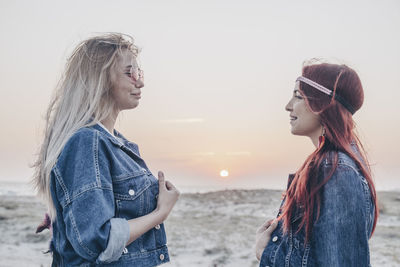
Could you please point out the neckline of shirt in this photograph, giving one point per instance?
(104, 127)
(119, 139)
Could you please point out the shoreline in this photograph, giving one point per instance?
(224, 223)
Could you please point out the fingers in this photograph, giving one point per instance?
(264, 226)
(268, 226)
(268, 223)
(161, 179)
(166, 185)
(170, 186)
(272, 227)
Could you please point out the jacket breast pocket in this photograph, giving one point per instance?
(131, 195)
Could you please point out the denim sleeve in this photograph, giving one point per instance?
(340, 235)
(84, 190)
(119, 231)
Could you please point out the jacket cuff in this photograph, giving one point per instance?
(118, 237)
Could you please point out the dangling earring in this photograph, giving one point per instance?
(321, 138)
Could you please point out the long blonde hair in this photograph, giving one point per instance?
(82, 98)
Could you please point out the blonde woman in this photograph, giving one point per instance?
(106, 207)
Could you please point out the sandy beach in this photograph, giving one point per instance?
(205, 229)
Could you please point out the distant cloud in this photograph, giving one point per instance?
(204, 154)
(238, 153)
(210, 154)
(187, 120)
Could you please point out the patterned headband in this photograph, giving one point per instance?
(327, 91)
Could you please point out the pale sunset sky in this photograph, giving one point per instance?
(217, 77)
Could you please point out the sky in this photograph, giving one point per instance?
(217, 77)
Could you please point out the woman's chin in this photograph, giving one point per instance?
(131, 105)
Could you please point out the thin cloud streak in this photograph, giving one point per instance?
(238, 153)
(187, 120)
(204, 154)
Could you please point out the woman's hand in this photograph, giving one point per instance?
(167, 196)
(263, 235)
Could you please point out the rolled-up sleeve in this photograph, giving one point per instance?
(119, 232)
(84, 190)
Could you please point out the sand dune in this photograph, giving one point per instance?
(208, 229)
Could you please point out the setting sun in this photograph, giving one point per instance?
(224, 173)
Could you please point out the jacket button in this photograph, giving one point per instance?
(162, 257)
(125, 251)
(274, 239)
(131, 192)
(157, 227)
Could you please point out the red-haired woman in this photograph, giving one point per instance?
(330, 209)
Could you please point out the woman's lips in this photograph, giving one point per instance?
(292, 119)
(137, 95)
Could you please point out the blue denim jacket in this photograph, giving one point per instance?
(340, 235)
(98, 183)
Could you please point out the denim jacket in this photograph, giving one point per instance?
(98, 183)
(340, 235)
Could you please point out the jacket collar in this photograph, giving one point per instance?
(118, 140)
(108, 135)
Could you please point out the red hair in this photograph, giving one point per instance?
(305, 188)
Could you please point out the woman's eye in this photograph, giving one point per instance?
(129, 74)
(298, 95)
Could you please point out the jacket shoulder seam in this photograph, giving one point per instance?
(61, 182)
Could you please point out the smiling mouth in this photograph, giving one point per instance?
(293, 118)
(137, 95)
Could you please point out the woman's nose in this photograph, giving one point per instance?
(288, 106)
(139, 83)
